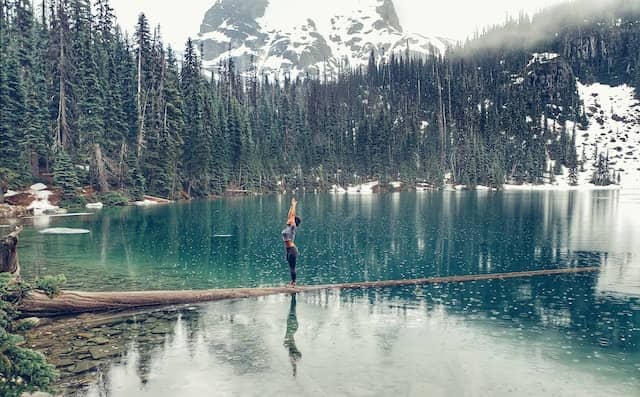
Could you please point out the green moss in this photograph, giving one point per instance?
(21, 369)
(113, 199)
(51, 285)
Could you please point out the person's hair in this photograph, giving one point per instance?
(298, 221)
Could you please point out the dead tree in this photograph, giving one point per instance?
(4, 186)
(9, 253)
(36, 303)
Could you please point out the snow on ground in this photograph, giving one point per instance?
(364, 188)
(145, 203)
(542, 57)
(614, 128)
(41, 204)
(560, 185)
(61, 214)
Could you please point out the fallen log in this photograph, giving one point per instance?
(75, 302)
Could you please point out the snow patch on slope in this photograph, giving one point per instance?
(614, 128)
(542, 57)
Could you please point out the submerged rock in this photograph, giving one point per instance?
(99, 340)
(30, 322)
(61, 362)
(98, 353)
(85, 335)
(37, 394)
(161, 329)
(83, 366)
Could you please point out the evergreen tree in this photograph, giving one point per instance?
(62, 70)
(197, 149)
(65, 177)
(12, 102)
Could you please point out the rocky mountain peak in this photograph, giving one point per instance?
(387, 12)
(234, 10)
(307, 38)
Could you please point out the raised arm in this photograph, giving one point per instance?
(291, 217)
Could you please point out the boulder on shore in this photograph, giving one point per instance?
(37, 200)
(12, 211)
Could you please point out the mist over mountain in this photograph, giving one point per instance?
(277, 38)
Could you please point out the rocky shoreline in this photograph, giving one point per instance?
(86, 344)
(44, 202)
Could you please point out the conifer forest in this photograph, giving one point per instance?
(85, 105)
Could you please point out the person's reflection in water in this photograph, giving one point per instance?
(289, 341)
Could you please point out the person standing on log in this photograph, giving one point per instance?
(289, 235)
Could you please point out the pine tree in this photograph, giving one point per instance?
(65, 177)
(62, 70)
(144, 76)
(90, 87)
(197, 141)
(12, 103)
(601, 176)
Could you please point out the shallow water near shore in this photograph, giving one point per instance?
(570, 335)
(543, 336)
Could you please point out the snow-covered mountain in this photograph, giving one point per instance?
(306, 36)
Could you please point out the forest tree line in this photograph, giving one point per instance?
(84, 105)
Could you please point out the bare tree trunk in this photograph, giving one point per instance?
(441, 118)
(121, 164)
(102, 173)
(141, 107)
(34, 162)
(62, 125)
(9, 253)
(4, 186)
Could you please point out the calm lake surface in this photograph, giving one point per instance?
(555, 335)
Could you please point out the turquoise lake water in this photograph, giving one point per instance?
(575, 335)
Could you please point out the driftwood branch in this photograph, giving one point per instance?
(9, 253)
(74, 302)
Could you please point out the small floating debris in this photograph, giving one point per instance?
(64, 230)
(61, 215)
(223, 235)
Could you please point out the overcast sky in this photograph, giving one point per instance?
(455, 19)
